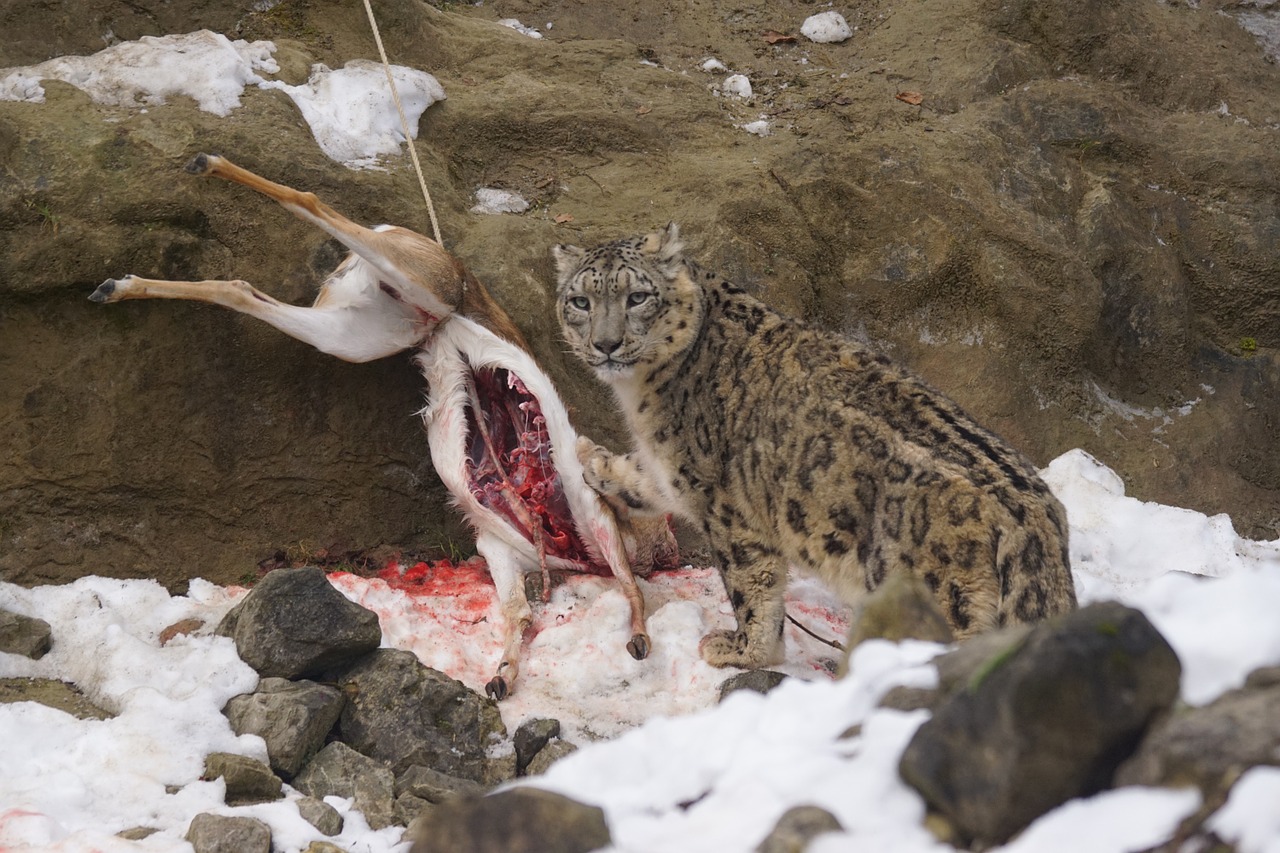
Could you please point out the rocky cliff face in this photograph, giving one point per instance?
(1074, 232)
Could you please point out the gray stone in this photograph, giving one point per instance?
(797, 827)
(294, 624)
(321, 815)
(434, 786)
(324, 847)
(958, 668)
(531, 736)
(248, 780)
(293, 717)
(901, 608)
(548, 755)
(211, 833)
(409, 808)
(759, 680)
(338, 770)
(518, 820)
(1210, 746)
(404, 713)
(24, 635)
(1044, 723)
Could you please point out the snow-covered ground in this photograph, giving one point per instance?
(70, 785)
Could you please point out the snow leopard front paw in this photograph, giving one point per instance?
(595, 466)
(728, 648)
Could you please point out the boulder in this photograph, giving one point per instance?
(248, 780)
(758, 680)
(432, 786)
(24, 635)
(340, 771)
(555, 750)
(404, 713)
(294, 624)
(1043, 721)
(321, 815)
(530, 737)
(1211, 746)
(211, 833)
(293, 717)
(798, 826)
(519, 820)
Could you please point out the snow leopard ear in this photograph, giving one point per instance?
(667, 248)
(567, 260)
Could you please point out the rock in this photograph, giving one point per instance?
(404, 713)
(901, 608)
(294, 624)
(530, 737)
(1210, 746)
(1048, 721)
(797, 827)
(248, 781)
(759, 680)
(324, 847)
(1267, 676)
(958, 668)
(409, 808)
(211, 833)
(434, 786)
(340, 771)
(519, 820)
(54, 693)
(181, 628)
(548, 755)
(321, 815)
(293, 717)
(137, 833)
(24, 635)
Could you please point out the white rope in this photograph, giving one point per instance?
(404, 123)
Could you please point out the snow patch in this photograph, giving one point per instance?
(826, 28)
(493, 201)
(352, 114)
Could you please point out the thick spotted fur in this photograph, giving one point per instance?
(792, 446)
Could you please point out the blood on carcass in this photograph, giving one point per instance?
(512, 472)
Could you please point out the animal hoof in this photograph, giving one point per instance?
(199, 165)
(496, 689)
(104, 291)
(639, 646)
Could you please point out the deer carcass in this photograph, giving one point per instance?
(499, 435)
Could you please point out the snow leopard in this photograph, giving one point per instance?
(791, 446)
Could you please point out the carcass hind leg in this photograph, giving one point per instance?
(505, 567)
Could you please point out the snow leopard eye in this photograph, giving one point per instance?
(635, 300)
(582, 303)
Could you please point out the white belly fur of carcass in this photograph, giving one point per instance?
(458, 345)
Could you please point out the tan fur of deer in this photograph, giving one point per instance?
(398, 290)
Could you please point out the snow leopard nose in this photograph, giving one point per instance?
(607, 346)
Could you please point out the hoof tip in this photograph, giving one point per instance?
(638, 646)
(104, 291)
(496, 689)
(199, 164)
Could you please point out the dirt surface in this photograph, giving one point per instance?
(1063, 215)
